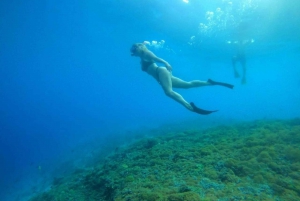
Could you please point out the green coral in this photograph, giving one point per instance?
(257, 160)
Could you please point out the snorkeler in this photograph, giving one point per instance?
(240, 56)
(165, 78)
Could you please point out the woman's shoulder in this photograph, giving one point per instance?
(148, 55)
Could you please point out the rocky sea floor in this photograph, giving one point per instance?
(257, 160)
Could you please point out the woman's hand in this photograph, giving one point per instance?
(150, 56)
(169, 67)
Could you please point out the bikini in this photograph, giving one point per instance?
(145, 65)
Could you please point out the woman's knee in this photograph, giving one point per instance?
(169, 93)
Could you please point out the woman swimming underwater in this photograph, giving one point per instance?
(164, 76)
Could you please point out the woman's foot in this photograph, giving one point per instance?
(220, 83)
(244, 80)
(201, 111)
(236, 74)
(188, 106)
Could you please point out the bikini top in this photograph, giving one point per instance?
(145, 65)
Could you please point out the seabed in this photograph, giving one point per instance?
(257, 160)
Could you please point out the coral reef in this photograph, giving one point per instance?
(257, 160)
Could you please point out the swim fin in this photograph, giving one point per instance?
(201, 111)
(220, 83)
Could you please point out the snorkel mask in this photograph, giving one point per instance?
(133, 49)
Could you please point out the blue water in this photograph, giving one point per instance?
(67, 77)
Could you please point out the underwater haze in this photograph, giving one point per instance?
(69, 87)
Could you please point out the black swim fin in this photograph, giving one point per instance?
(201, 111)
(220, 83)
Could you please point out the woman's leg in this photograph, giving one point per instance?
(234, 60)
(243, 62)
(165, 79)
(179, 83)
